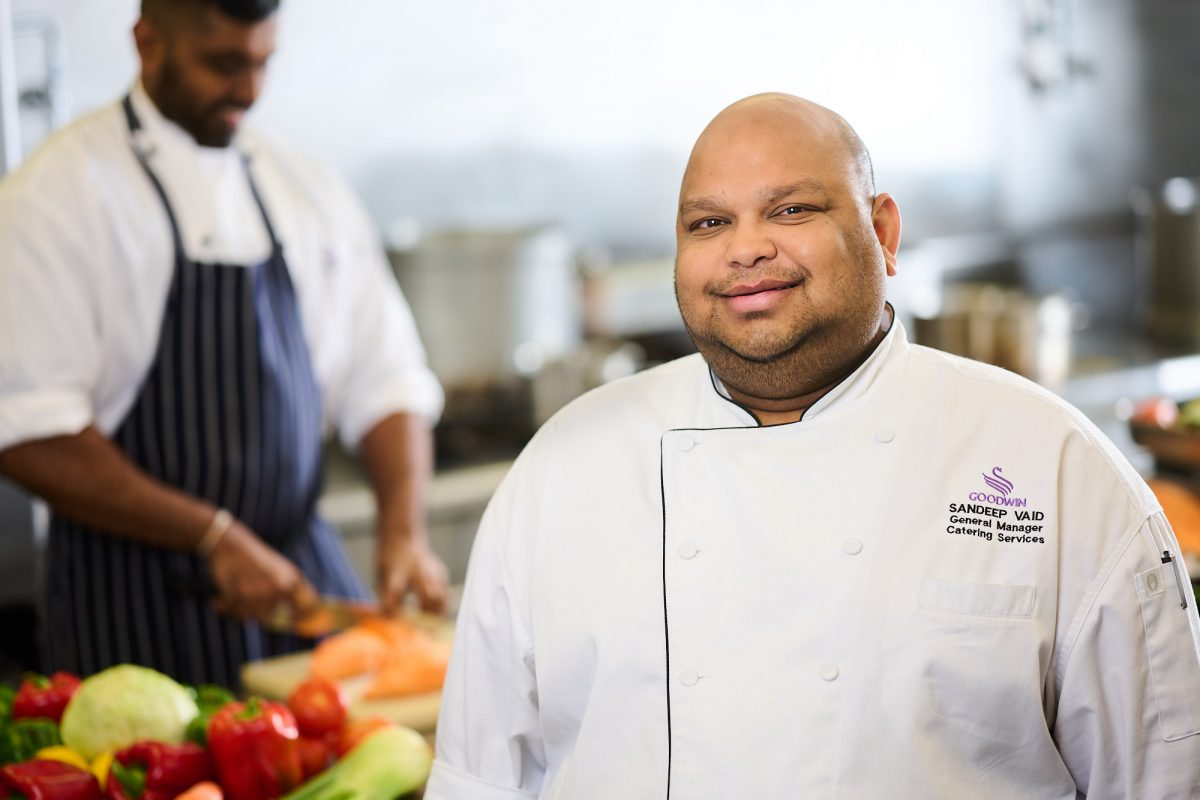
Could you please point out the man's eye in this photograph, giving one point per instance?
(706, 224)
(793, 210)
(224, 65)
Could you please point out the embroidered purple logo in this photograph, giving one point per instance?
(998, 482)
(1003, 488)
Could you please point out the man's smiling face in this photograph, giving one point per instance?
(776, 250)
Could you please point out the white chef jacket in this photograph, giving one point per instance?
(842, 607)
(86, 262)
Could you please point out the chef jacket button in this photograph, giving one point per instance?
(1152, 582)
(689, 677)
(828, 671)
(685, 443)
(852, 546)
(885, 435)
(688, 550)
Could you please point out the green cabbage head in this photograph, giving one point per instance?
(126, 704)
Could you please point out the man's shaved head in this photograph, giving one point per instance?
(786, 109)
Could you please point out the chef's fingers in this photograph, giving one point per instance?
(432, 584)
(393, 581)
(303, 596)
(416, 568)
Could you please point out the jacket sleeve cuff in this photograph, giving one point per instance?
(40, 415)
(447, 783)
(419, 394)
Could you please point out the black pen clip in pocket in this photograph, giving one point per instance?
(1171, 649)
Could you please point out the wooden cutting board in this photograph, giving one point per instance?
(275, 678)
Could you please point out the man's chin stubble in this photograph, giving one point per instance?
(775, 355)
(799, 364)
(771, 376)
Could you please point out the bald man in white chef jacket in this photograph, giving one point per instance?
(186, 308)
(816, 560)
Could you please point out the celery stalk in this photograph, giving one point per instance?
(385, 765)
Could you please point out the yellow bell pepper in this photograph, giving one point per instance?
(100, 766)
(61, 752)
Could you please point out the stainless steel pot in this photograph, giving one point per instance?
(492, 304)
(1169, 251)
(1027, 334)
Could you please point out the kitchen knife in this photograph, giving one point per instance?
(331, 614)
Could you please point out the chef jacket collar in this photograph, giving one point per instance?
(854, 385)
(158, 130)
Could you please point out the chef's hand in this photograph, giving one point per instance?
(407, 563)
(253, 579)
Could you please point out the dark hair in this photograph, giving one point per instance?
(243, 10)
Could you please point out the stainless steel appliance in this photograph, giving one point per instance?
(500, 313)
(1009, 327)
(1169, 247)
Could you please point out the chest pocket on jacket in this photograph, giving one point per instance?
(977, 599)
(1170, 651)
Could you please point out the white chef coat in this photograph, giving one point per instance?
(842, 607)
(86, 262)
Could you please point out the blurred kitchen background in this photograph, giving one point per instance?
(522, 163)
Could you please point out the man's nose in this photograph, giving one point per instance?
(749, 243)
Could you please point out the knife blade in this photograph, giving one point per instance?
(330, 615)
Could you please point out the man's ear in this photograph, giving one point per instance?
(151, 45)
(885, 219)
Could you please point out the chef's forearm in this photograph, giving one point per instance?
(398, 456)
(87, 478)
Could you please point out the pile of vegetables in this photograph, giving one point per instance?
(131, 733)
(1165, 413)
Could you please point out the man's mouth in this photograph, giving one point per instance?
(743, 290)
(754, 298)
(231, 114)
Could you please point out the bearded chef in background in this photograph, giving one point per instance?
(186, 308)
(816, 560)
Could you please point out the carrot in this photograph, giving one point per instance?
(205, 790)
(348, 654)
(395, 631)
(416, 669)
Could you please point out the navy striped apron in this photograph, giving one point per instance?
(229, 412)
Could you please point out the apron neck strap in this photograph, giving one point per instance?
(136, 130)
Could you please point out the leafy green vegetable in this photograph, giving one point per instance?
(21, 739)
(126, 704)
(7, 693)
(209, 698)
(388, 763)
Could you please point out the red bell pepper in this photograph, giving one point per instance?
(42, 779)
(157, 771)
(255, 748)
(316, 753)
(39, 696)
